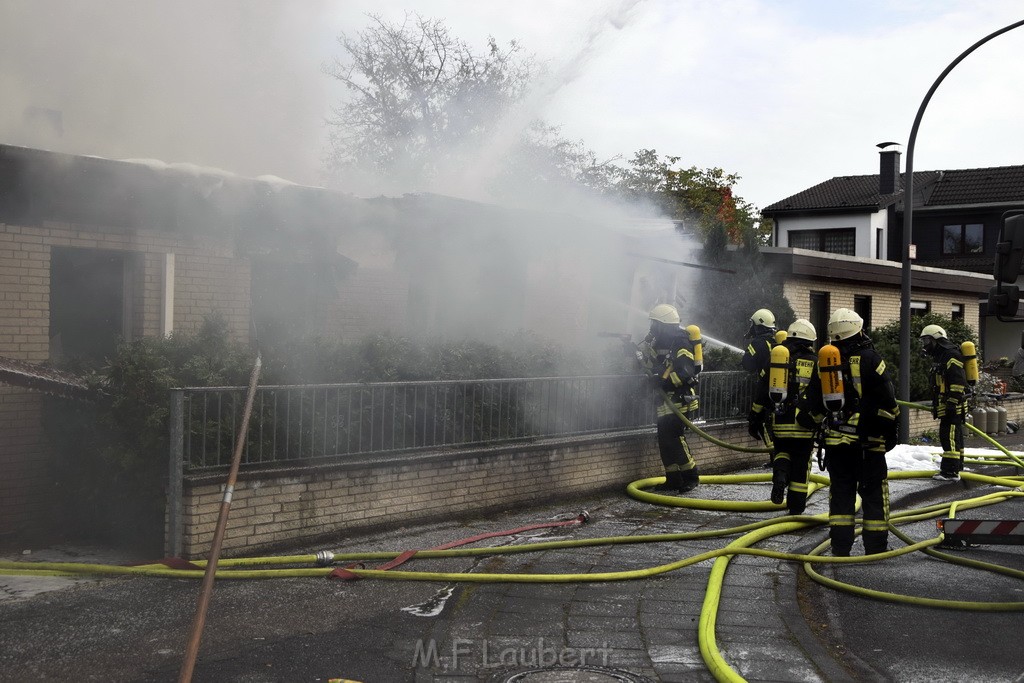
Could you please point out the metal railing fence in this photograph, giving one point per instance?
(302, 423)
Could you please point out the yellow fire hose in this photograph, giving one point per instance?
(751, 533)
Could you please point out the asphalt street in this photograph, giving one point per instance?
(774, 623)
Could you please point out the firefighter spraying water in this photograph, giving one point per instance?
(672, 357)
(756, 359)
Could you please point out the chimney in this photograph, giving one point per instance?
(889, 167)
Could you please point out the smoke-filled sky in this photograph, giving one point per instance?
(786, 93)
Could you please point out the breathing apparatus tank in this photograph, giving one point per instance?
(970, 355)
(830, 373)
(778, 374)
(780, 336)
(698, 346)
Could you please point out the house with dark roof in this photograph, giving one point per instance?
(957, 217)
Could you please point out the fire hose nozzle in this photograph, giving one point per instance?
(324, 558)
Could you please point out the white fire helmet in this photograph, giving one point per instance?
(933, 331)
(802, 329)
(844, 324)
(763, 317)
(665, 313)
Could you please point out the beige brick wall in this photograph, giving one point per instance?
(921, 421)
(24, 293)
(369, 300)
(325, 503)
(885, 301)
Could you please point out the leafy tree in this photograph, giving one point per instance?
(423, 103)
(703, 199)
(887, 343)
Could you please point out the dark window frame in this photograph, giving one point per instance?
(961, 240)
(822, 237)
(820, 303)
(862, 306)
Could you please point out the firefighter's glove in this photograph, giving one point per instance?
(755, 426)
(892, 437)
(754, 429)
(655, 381)
(806, 420)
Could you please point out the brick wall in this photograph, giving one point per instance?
(885, 301)
(921, 420)
(271, 510)
(320, 503)
(208, 278)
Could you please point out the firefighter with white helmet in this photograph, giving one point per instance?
(860, 424)
(756, 358)
(667, 355)
(949, 385)
(791, 368)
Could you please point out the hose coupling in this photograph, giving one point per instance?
(324, 558)
(584, 517)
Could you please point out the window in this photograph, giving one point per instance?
(92, 301)
(819, 315)
(957, 312)
(878, 244)
(836, 241)
(963, 239)
(920, 307)
(862, 307)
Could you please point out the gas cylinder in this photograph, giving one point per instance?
(778, 374)
(992, 426)
(698, 346)
(780, 336)
(980, 416)
(1001, 424)
(970, 355)
(830, 373)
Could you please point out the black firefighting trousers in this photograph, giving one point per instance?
(853, 469)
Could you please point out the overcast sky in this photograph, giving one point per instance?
(785, 93)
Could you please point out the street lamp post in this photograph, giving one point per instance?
(908, 225)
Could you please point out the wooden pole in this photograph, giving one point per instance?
(192, 650)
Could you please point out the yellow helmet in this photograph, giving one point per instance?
(933, 331)
(802, 329)
(763, 317)
(844, 324)
(665, 313)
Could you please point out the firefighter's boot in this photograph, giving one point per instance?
(673, 483)
(780, 480)
(689, 480)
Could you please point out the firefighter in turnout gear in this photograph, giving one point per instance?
(777, 394)
(667, 355)
(852, 400)
(949, 384)
(756, 359)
